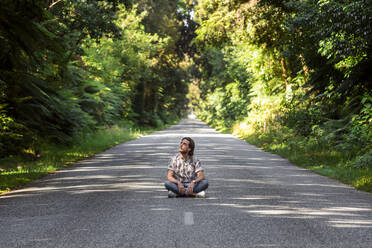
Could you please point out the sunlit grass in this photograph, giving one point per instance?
(13, 179)
(363, 183)
(319, 157)
(15, 172)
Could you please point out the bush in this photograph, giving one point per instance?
(364, 161)
(14, 137)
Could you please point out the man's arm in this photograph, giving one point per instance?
(171, 178)
(200, 176)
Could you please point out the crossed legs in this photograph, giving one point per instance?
(200, 186)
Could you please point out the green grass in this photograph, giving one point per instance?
(16, 172)
(321, 158)
(310, 153)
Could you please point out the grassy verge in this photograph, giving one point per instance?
(314, 155)
(310, 153)
(16, 172)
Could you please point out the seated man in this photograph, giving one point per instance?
(185, 175)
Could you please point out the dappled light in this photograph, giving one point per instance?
(246, 186)
(80, 78)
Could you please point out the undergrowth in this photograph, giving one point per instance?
(316, 155)
(15, 172)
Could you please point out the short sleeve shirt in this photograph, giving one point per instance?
(185, 170)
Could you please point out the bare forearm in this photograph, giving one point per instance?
(200, 177)
(170, 177)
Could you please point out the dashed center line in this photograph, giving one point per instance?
(189, 218)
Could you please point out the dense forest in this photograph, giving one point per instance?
(293, 77)
(69, 66)
(289, 76)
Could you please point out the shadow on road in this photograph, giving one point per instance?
(253, 197)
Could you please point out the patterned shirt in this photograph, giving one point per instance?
(184, 170)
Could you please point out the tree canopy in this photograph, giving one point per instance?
(303, 66)
(73, 65)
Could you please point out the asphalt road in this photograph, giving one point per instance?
(117, 199)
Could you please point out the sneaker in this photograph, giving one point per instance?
(171, 194)
(201, 194)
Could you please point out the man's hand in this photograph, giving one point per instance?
(190, 189)
(181, 188)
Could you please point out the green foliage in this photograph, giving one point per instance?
(16, 172)
(294, 75)
(30, 59)
(13, 136)
(135, 69)
(308, 90)
(74, 65)
(364, 161)
(215, 20)
(224, 86)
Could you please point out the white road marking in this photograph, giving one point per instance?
(189, 218)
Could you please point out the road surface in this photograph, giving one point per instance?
(117, 199)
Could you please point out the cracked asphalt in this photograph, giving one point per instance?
(254, 199)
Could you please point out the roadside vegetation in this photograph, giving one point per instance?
(292, 77)
(18, 171)
(77, 77)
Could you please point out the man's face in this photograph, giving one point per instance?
(184, 146)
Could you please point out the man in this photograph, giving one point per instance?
(185, 176)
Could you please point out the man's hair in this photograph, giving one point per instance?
(191, 145)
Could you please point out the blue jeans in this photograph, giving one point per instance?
(200, 186)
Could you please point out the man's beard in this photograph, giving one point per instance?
(183, 152)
